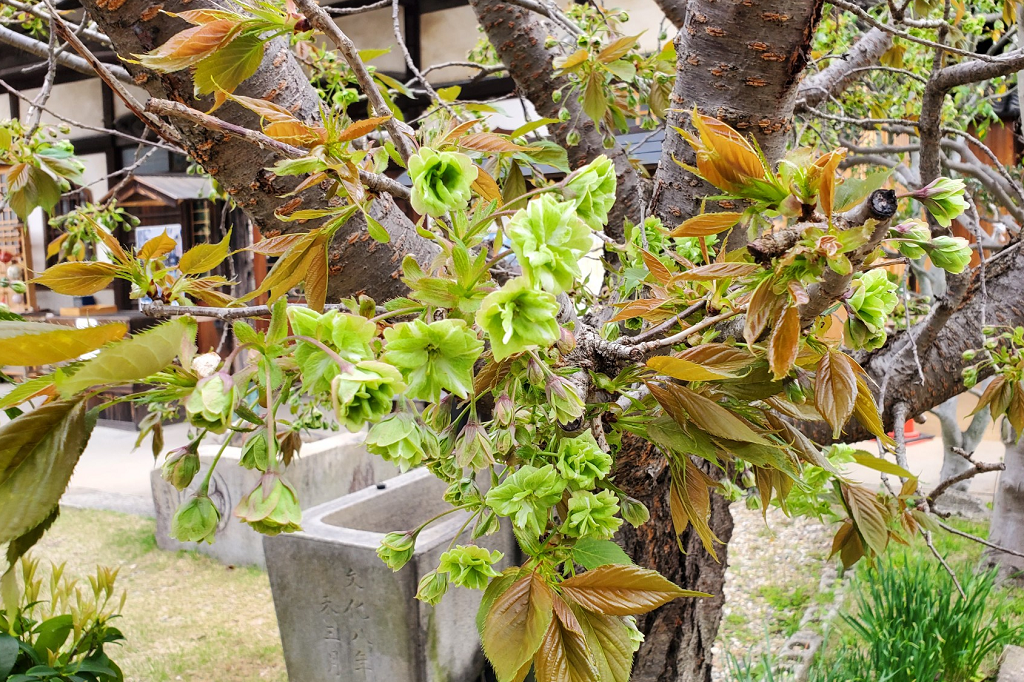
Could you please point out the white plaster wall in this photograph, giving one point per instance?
(5, 107)
(373, 30)
(80, 101)
(120, 109)
(448, 36)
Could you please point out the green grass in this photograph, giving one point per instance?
(187, 617)
(788, 604)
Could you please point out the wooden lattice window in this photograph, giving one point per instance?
(14, 250)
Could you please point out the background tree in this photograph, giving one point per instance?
(907, 90)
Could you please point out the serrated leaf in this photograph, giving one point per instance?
(266, 110)
(29, 187)
(595, 103)
(866, 459)
(760, 310)
(720, 357)
(296, 133)
(684, 405)
(684, 370)
(718, 271)
(835, 390)
(490, 143)
(27, 390)
(131, 360)
(656, 267)
(77, 279)
(376, 230)
(531, 126)
(618, 49)
(190, 46)
(358, 129)
(855, 190)
(516, 624)
(228, 67)
(157, 247)
(784, 343)
(204, 257)
(564, 655)
(623, 590)
(486, 187)
(590, 553)
(34, 343)
(868, 516)
(690, 499)
(515, 187)
(706, 224)
(38, 453)
(866, 412)
(575, 59)
(609, 642)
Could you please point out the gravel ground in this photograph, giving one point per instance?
(772, 578)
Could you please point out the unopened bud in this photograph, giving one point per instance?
(566, 342)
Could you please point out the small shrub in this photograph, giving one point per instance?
(59, 634)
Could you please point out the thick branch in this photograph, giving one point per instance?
(842, 72)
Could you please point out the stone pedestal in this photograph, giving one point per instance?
(346, 617)
(1011, 665)
(324, 470)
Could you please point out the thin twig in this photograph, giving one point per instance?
(899, 418)
(666, 325)
(695, 329)
(159, 310)
(979, 468)
(935, 552)
(322, 21)
(980, 541)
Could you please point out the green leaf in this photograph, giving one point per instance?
(623, 590)
(528, 128)
(590, 553)
(8, 654)
(495, 589)
(30, 187)
(855, 190)
(204, 257)
(131, 360)
(231, 64)
(38, 453)
(34, 343)
(866, 459)
(376, 230)
(53, 632)
(26, 390)
(516, 624)
(547, 152)
(684, 370)
(595, 103)
(609, 641)
(77, 279)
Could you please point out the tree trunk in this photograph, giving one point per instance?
(954, 439)
(679, 635)
(1007, 529)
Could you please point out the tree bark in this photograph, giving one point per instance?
(357, 263)
(741, 63)
(1007, 527)
(679, 635)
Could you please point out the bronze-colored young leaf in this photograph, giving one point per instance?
(691, 491)
(764, 303)
(486, 187)
(1015, 410)
(516, 624)
(656, 267)
(295, 133)
(609, 642)
(707, 224)
(617, 590)
(190, 46)
(564, 655)
(866, 412)
(717, 271)
(996, 397)
(835, 390)
(267, 110)
(204, 257)
(490, 142)
(573, 60)
(704, 412)
(684, 370)
(784, 343)
(290, 269)
(77, 279)
(316, 282)
(617, 49)
(130, 360)
(869, 516)
(595, 103)
(38, 453)
(276, 246)
(357, 129)
(157, 247)
(35, 343)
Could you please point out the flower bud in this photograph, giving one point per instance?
(473, 448)
(196, 520)
(944, 199)
(556, 97)
(633, 511)
(566, 342)
(952, 254)
(969, 355)
(504, 410)
(396, 549)
(572, 138)
(212, 402)
(255, 452)
(463, 493)
(272, 507)
(181, 466)
(432, 587)
(487, 525)
(563, 398)
(534, 372)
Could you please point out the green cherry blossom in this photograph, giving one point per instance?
(433, 357)
(952, 254)
(944, 199)
(582, 462)
(441, 181)
(364, 393)
(593, 191)
(549, 240)
(470, 566)
(526, 497)
(592, 515)
(873, 300)
(272, 507)
(348, 335)
(517, 317)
